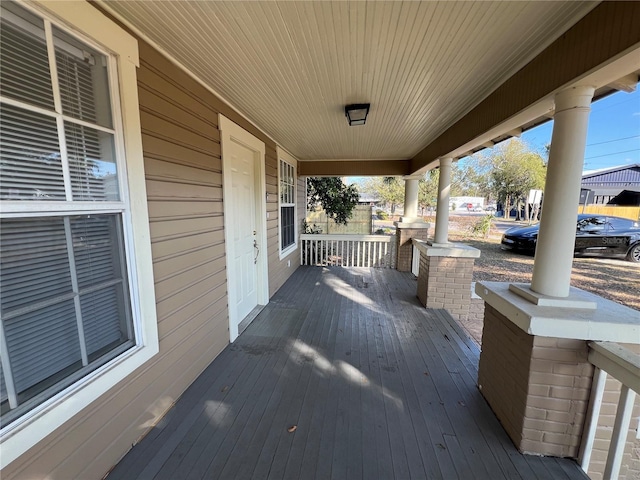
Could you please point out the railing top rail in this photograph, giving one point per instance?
(618, 361)
(346, 237)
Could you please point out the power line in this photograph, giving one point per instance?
(611, 141)
(612, 153)
(593, 108)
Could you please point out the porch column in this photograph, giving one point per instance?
(442, 207)
(411, 199)
(410, 225)
(554, 252)
(534, 367)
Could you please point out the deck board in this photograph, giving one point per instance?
(376, 385)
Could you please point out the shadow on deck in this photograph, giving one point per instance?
(376, 386)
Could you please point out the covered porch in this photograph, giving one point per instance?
(344, 374)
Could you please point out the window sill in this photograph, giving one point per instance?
(26, 431)
(288, 251)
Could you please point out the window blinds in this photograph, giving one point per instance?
(64, 297)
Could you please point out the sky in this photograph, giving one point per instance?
(613, 138)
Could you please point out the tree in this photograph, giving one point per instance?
(389, 189)
(337, 199)
(428, 189)
(515, 171)
(472, 178)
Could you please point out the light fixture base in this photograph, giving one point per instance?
(357, 113)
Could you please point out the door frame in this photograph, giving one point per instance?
(231, 132)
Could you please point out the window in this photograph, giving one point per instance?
(64, 304)
(287, 199)
(69, 227)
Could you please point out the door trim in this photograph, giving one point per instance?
(231, 132)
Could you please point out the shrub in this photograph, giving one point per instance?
(382, 215)
(482, 226)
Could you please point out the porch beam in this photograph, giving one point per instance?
(554, 251)
(346, 168)
(611, 30)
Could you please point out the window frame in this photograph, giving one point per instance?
(85, 22)
(284, 156)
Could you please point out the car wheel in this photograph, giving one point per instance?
(634, 254)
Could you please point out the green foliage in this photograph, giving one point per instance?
(515, 171)
(336, 198)
(472, 179)
(428, 189)
(504, 173)
(482, 227)
(382, 215)
(306, 228)
(388, 189)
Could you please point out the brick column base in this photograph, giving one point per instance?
(404, 234)
(538, 387)
(445, 282)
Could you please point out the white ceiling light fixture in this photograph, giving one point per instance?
(357, 113)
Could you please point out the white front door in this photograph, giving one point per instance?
(242, 227)
(245, 226)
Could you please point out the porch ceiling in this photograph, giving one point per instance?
(290, 67)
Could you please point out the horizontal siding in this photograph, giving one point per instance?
(183, 170)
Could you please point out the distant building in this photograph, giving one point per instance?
(368, 199)
(467, 203)
(612, 186)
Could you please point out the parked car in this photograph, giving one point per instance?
(596, 235)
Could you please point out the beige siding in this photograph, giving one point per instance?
(279, 271)
(183, 169)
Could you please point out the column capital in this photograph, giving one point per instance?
(413, 177)
(573, 97)
(445, 162)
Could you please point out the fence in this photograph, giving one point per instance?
(348, 250)
(360, 222)
(632, 213)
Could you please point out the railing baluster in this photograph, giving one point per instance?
(386, 259)
(375, 256)
(346, 250)
(593, 413)
(620, 431)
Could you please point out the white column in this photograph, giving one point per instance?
(442, 207)
(411, 200)
(556, 239)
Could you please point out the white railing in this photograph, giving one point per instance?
(624, 366)
(348, 250)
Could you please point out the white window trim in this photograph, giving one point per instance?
(25, 432)
(291, 160)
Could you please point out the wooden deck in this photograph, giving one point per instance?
(376, 386)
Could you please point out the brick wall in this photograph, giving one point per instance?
(445, 282)
(537, 386)
(405, 247)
